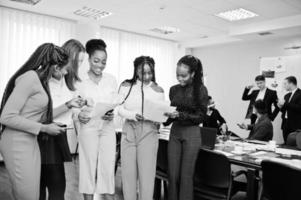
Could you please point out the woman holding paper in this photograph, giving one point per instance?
(55, 150)
(190, 97)
(97, 139)
(139, 143)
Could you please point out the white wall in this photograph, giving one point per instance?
(229, 68)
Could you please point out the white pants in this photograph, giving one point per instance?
(97, 150)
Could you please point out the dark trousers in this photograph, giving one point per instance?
(253, 118)
(53, 179)
(286, 130)
(183, 148)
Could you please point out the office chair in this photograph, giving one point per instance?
(213, 178)
(280, 181)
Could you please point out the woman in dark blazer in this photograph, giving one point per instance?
(190, 98)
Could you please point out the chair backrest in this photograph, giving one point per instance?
(208, 136)
(212, 169)
(281, 181)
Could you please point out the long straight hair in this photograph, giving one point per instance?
(140, 62)
(195, 66)
(73, 48)
(43, 60)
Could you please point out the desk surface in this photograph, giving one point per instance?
(252, 154)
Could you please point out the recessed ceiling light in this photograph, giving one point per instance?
(92, 13)
(166, 30)
(237, 14)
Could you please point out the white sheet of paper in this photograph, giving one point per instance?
(154, 110)
(100, 109)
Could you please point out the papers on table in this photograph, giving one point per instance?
(154, 110)
(288, 151)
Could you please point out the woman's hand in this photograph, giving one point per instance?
(109, 116)
(52, 129)
(243, 126)
(139, 117)
(172, 115)
(83, 117)
(77, 102)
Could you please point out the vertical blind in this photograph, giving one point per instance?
(22, 32)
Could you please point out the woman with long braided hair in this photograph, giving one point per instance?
(26, 110)
(190, 98)
(139, 143)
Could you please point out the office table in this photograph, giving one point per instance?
(250, 160)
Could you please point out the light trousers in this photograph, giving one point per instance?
(97, 150)
(22, 158)
(139, 146)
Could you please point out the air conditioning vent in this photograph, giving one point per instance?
(31, 2)
(92, 13)
(165, 30)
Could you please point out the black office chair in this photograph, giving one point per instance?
(213, 178)
(280, 181)
(161, 172)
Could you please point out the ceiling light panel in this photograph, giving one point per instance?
(237, 14)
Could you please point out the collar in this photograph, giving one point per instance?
(264, 90)
(293, 91)
(138, 82)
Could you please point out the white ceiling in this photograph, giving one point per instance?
(195, 18)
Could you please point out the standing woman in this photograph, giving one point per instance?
(139, 143)
(25, 100)
(190, 97)
(97, 139)
(61, 86)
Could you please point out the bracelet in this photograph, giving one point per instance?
(67, 104)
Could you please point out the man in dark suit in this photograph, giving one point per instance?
(262, 129)
(290, 107)
(268, 96)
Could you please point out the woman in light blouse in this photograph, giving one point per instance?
(97, 139)
(61, 87)
(26, 99)
(139, 143)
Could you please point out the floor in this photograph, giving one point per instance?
(72, 184)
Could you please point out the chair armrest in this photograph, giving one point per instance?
(238, 173)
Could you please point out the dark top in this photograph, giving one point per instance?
(215, 120)
(262, 129)
(270, 98)
(190, 114)
(293, 109)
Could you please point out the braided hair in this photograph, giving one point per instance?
(195, 66)
(42, 61)
(140, 62)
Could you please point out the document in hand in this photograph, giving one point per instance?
(154, 110)
(101, 108)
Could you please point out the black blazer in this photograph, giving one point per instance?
(293, 109)
(262, 129)
(215, 120)
(270, 98)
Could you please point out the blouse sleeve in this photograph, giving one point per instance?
(122, 111)
(199, 115)
(10, 117)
